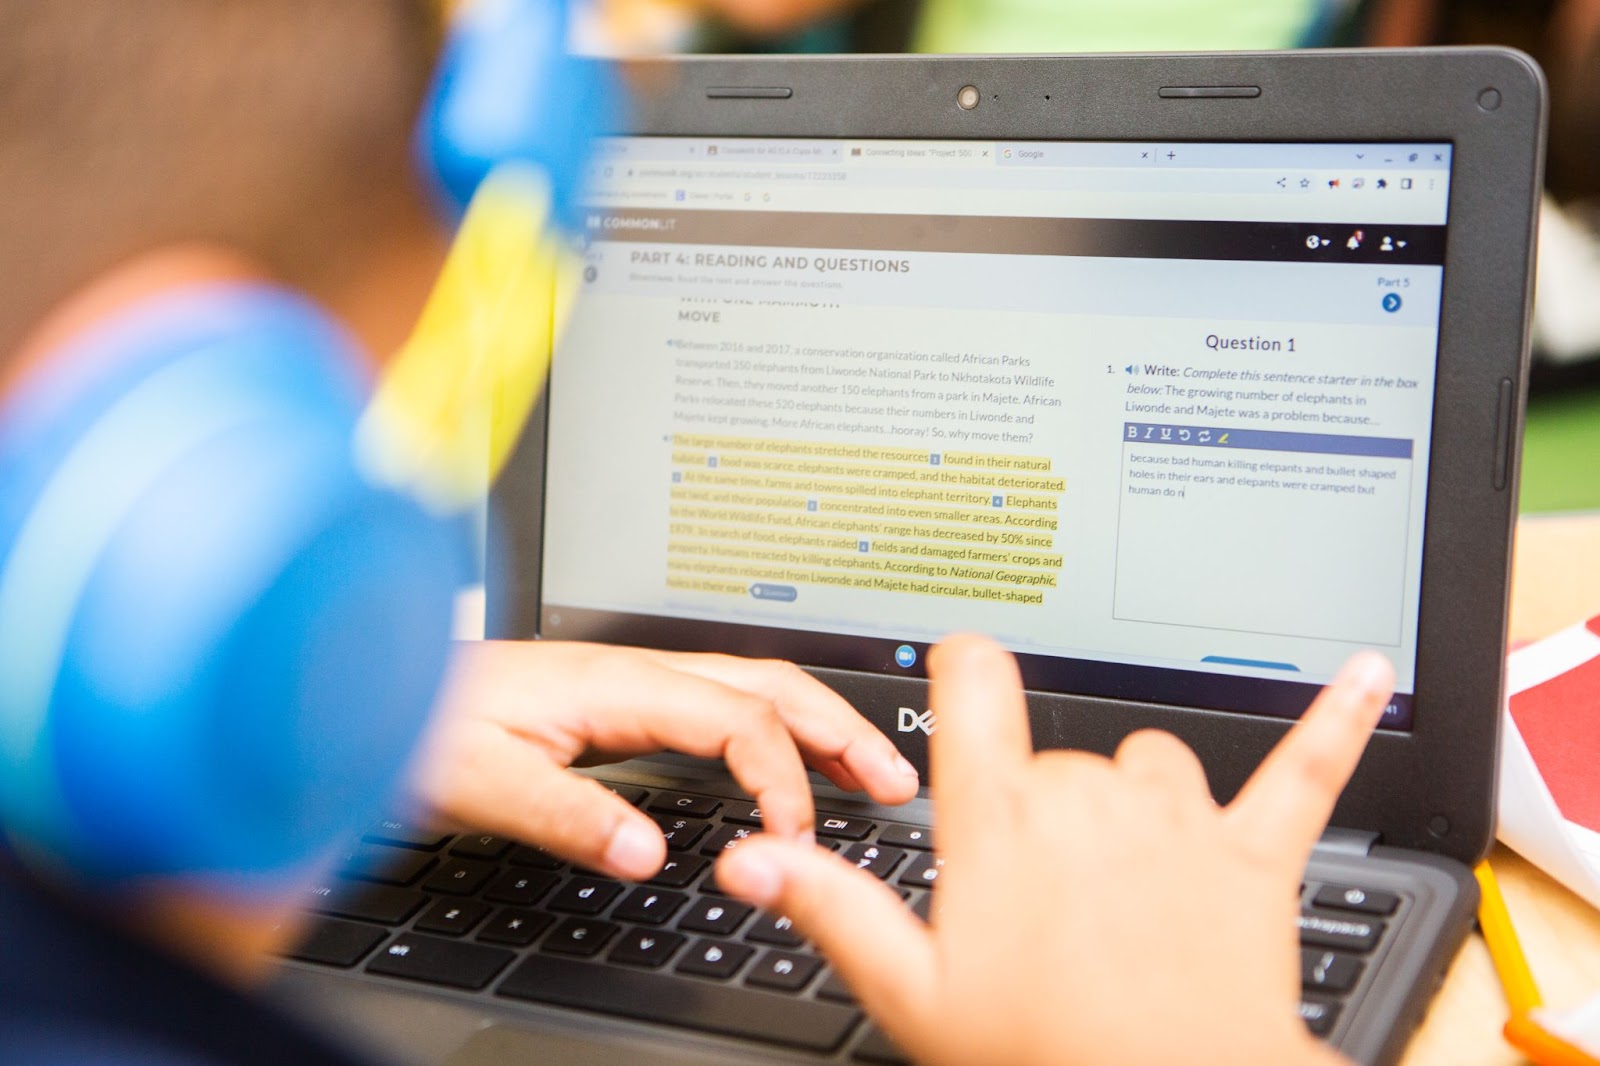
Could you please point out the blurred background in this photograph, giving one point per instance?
(1561, 456)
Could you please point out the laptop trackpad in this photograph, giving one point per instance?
(502, 1044)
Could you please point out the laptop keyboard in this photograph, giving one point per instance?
(483, 914)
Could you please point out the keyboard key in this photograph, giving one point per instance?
(452, 917)
(837, 825)
(406, 835)
(922, 871)
(878, 1048)
(726, 838)
(742, 814)
(1328, 971)
(714, 915)
(515, 926)
(385, 865)
(877, 859)
(646, 947)
(915, 837)
(651, 997)
(632, 793)
(681, 833)
(372, 903)
(1347, 934)
(678, 871)
(1318, 1016)
(784, 971)
(1350, 898)
(833, 988)
(580, 936)
(480, 846)
(440, 962)
(775, 929)
(683, 803)
(715, 958)
(521, 888)
(651, 906)
(538, 858)
(459, 877)
(922, 906)
(584, 895)
(336, 943)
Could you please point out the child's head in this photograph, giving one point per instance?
(279, 130)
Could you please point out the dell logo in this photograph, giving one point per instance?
(911, 721)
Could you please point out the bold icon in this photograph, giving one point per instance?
(713, 954)
(714, 913)
(783, 966)
(1387, 245)
(1133, 432)
(911, 721)
(906, 656)
(402, 950)
(1355, 240)
(1391, 302)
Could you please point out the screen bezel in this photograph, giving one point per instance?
(1430, 788)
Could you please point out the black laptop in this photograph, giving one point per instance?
(1183, 376)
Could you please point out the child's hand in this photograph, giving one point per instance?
(515, 715)
(1090, 910)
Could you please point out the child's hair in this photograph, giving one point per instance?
(280, 128)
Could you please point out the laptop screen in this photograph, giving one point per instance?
(1155, 416)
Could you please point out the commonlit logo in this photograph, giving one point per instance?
(911, 721)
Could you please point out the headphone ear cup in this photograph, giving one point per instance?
(253, 651)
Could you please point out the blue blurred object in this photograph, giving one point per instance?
(219, 643)
(508, 91)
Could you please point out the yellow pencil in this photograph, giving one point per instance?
(1509, 962)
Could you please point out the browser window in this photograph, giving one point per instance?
(1155, 416)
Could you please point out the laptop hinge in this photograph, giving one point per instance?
(1346, 841)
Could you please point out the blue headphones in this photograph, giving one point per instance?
(218, 641)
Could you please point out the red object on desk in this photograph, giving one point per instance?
(1560, 722)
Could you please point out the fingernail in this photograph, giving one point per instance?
(753, 875)
(1369, 672)
(903, 765)
(634, 850)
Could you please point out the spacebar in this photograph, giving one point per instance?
(681, 1001)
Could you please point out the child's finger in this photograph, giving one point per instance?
(1285, 805)
(884, 952)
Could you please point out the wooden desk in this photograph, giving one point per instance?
(1556, 583)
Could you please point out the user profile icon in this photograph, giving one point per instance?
(906, 656)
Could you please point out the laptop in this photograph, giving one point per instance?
(1185, 376)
